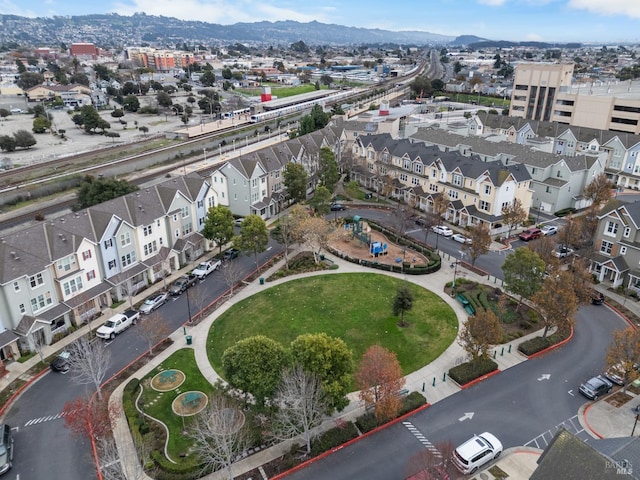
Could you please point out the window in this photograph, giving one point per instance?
(128, 259)
(148, 230)
(41, 301)
(407, 164)
(254, 182)
(158, 223)
(487, 189)
(505, 205)
(606, 247)
(623, 250)
(211, 202)
(66, 263)
(36, 280)
(86, 255)
(184, 212)
(177, 232)
(627, 231)
(200, 203)
(150, 248)
(433, 173)
(175, 218)
(611, 229)
(453, 194)
(16, 287)
(433, 187)
(125, 239)
(72, 286)
(91, 275)
(108, 243)
(484, 205)
(457, 179)
(22, 309)
(111, 264)
(415, 181)
(403, 177)
(370, 166)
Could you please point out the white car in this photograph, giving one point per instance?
(442, 230)
(458, 237)
(205, 268)
(549, 230)
(476, 452)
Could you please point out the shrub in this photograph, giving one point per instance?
(564, 212)
(367, 422)
(411, 402)
(469, 371)
(538, 344)
(333, 438)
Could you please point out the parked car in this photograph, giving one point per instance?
(595, 387)
(442, 230)
(421, 221)
(132, 315)
(615, 374)
(476, 452)
(205, 268)
(549, 230)
(115, 325)
(238, 222)
(563, 252)
(154, 302)
(182, 283)
(230, 254)
(337, 207)
(458, 237)
(6, 448)
(530, 234)
(60, 363)
(597, 298)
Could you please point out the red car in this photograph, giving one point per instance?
(530, 234)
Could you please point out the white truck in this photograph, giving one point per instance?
(115, 325)
(205, 268)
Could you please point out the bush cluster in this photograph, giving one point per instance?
(538, 344)
(468, 371)
(333, 438)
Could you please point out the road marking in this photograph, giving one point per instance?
(544, 376)
(466, 416)
(572, 425)
(48, 418)
(414, 231)
(422, 439)
(571, 393)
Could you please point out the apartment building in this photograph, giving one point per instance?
(546, 92)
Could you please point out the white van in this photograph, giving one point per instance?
(15, 111)
(476, 451)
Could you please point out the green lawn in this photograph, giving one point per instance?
(183, 360)
(281, 92)
(356, 307)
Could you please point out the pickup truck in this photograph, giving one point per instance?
(205, 268)
(182, 283)
(115, 325)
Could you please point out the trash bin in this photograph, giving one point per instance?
(189, 339)
(261, 280)
(321, 257)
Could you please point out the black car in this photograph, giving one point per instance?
(60, 363)
(230, 254)
(337, 207)
(595, 387)
(597, 298)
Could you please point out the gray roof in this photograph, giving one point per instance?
(7, 337)
(622, 449)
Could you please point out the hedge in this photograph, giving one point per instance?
(368, 421)
(537, 344)
(469, 371)
(333, 438)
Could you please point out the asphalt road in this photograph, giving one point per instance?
(521, 405)
(43, 447)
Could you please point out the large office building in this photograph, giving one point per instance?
(546, 91)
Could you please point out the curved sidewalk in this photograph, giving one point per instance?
(431, 380)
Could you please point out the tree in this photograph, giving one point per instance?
(379, 378)
(599, 190)
(328, 174)
(301, 406)
(24, 139)
(330, 359)
(480, 242)
(315, 232)
(523, 273)
(232, 274)
(131, 103)
(117, 113)
(557, 302)
(28, 80)
(219, 434)
(254, 365)
(218, 226)
(41, 125)
(7, 143)
(438, 85)
(624, 353)
(295, 181)
(513, 215)
(321, 200)
(253, 238)
(286, 232)
(421, 87)
(93, 191)
(88, 418)
(315, 120)
(4, 113)
(402, 302)
(152, 329)
(479, 332)
(164, 99)
(326, 79)
(89, 362)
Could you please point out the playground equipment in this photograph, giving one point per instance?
(377, 248)
(359, 229)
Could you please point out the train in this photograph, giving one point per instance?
(280, 112)
(235, 113)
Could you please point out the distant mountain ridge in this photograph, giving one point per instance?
(112, 30)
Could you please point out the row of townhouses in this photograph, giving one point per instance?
(66, 271)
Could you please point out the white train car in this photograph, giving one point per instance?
(280, 112)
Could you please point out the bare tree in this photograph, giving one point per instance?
(480, 242)
(152, 329)
(120, 465)
(219, 434)
(39, 341)
(286, 232)
(513, 215)
(316, 233)
(232, 274)
(302, 405)
(598, 191)
(89, 362)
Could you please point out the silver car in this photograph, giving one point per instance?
(153, 302)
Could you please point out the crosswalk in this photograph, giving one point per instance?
(48, 418)
(422, 439)
(572, 425)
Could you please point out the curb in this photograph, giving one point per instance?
(618, 312)
(19, 392)
(479, 379)
(323, 455)
(586, 422)
(552, 347)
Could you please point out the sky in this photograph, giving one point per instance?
(605, 21)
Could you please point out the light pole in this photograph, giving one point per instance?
(188, 306)
(636, 412)
(204, 152)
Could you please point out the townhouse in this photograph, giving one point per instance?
(416, 173)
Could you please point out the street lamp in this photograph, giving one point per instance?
(204, 152)
(188, 307)
(636, 412)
